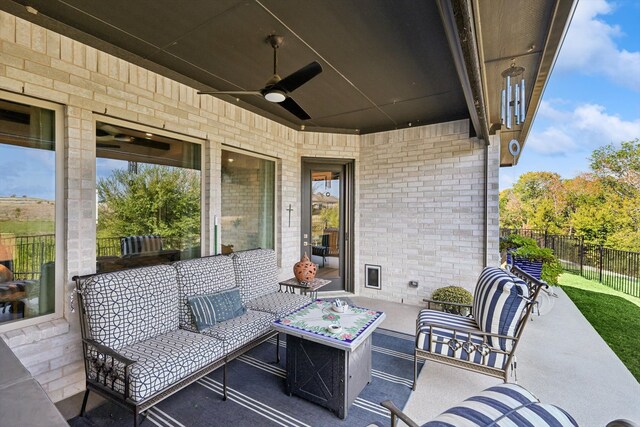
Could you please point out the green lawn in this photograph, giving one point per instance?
(614, 315)
(22, 228)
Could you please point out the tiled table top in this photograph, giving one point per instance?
(312, 320)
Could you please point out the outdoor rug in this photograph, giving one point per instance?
(257, 397)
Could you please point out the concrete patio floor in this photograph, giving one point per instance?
(561, 359)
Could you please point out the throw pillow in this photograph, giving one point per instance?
(207, 310)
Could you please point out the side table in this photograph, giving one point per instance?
(311, 288)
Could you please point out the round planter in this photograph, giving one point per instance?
(533, 268)
(304, 270)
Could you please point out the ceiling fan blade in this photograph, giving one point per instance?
(229, 92)
(298, 78)
(109, 129)
(292, 106)
(104, 145)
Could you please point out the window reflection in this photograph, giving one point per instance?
(248, 202)
(148, 198)
(27, 211)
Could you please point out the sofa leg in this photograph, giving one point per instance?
(139, 417)
(224, 382)
(278, 348)
(84, 403)
(415, 371)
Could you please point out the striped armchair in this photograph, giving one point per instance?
(500, 406)
(486, 340)
(132, 245)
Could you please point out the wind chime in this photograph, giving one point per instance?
(512, 105)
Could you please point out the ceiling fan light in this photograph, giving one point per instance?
(275, 96)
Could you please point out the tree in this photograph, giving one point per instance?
(603, 205)
(156, 200)
(619, 167)
(511, 211)
(595, 222)
(542, 199)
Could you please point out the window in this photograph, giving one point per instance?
(148, 197)
(248, 202)
(27, 210)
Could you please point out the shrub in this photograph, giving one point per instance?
(527, 248)
(514, 241)
(452, 294)
(551, 270)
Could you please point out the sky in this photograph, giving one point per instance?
(593, 95)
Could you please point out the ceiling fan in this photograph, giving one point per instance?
(108, 136)
(278, 89)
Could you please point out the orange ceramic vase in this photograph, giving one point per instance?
(5, 274)
(305, 270)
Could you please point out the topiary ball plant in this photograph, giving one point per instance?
(452, 294)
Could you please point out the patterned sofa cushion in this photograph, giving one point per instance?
(236, 332)
(278, 303)
(129, 306)
(501, 406)
(140, 244)
(256, 273)
(166, 359)
(498, 304)
(201, 276)
(465, 346)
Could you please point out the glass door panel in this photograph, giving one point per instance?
(327, 219)
(325, 224)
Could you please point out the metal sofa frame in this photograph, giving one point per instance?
(109, 366)
(534, 285)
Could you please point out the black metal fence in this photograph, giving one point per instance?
(108, 246)
(617, 269)
(29, 253)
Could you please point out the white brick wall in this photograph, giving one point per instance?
(421, 209)
(419, 199)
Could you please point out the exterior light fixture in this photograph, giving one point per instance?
(512, 105)
(275, 96)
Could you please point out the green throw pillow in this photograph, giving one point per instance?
(207, 310)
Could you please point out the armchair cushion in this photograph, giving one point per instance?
(503, 405)
(498, 304)
(466, 346)
(207, 310)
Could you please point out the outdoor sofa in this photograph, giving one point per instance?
(143, 339)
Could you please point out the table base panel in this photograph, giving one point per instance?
(327, 376)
